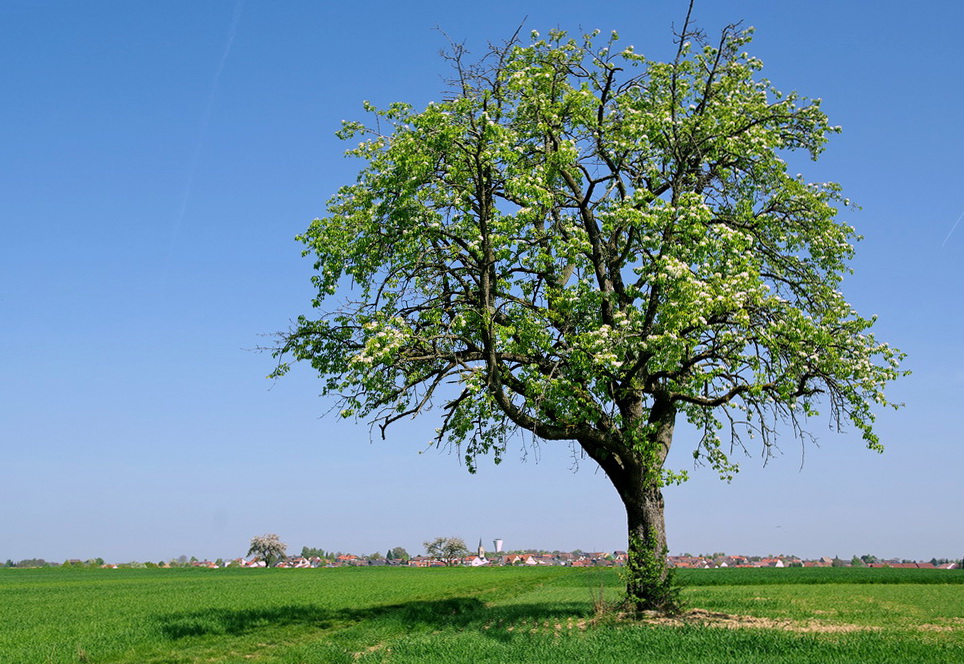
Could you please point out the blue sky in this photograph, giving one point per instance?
(158, 159)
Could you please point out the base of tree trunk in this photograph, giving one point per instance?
(650, 582)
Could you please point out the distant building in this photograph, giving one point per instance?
(479, 559)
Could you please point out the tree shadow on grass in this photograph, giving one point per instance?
(235, 622)
(452, 613)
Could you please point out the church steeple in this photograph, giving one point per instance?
(481, 551)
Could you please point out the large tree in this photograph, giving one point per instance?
(268, 548)
(586, 245)
(446, 549)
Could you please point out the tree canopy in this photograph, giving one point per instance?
(589, 245)
(314, 552)
(397, 553)
(446, 549)
(268, 548)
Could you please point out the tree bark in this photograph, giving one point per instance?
(649, 583)
(649, 580)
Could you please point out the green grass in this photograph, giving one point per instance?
(743, 576)
(470, 615)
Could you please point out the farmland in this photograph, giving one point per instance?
(479, 615)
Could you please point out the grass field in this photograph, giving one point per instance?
(473, 615)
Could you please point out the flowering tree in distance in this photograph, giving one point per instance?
(446, 549)
(586, 245)
(268, 548)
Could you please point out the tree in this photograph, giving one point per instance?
(313, 552)
(398, 553)
(593, 246)
(446, 549)
(268, 548)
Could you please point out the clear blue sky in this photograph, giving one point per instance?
(156, 161)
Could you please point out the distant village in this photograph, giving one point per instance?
(593, 559)
(399, 557)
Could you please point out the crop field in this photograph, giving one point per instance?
(499, 615)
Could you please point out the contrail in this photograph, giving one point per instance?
(952, 229)
(205, 120)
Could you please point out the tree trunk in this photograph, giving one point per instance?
(649, 581)
(636, 477)
(649, 584)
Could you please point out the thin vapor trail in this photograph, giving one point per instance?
(952, 229)
(202, 133)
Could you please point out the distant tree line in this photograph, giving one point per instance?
(28, 562)
(40, 562)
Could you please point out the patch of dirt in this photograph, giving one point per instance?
(952, 624)
(706, 618)
(570, 624)
(368, 650)
(730, 621)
